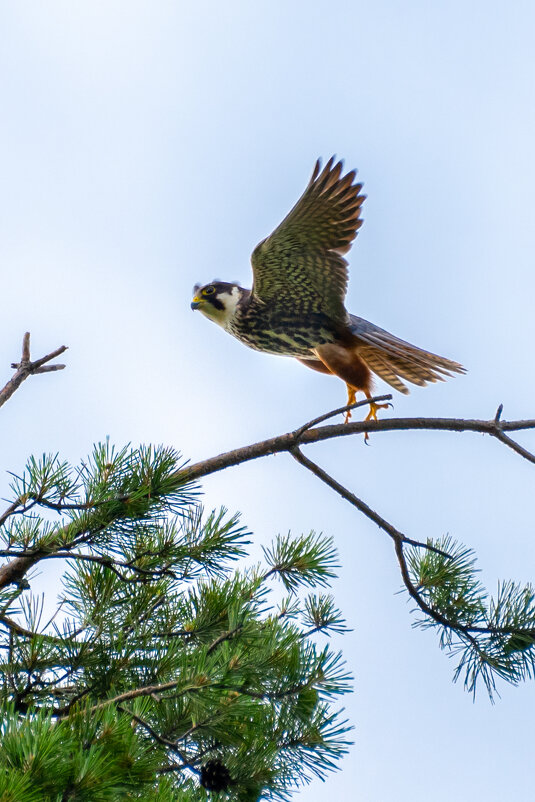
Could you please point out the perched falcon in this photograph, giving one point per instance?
(296, 306)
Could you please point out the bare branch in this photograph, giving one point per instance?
(400, 540)
(305, 436)
(49, 369)
(26, 368)
(52, 355)
(510, 443)
(387, 527)
(25, 349)
(14, 571)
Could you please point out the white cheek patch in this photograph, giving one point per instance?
(230, 301)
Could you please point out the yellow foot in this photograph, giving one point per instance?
(372, 415)
(351, 398)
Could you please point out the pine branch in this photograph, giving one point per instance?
(477, 659)
(117, 491)
(400, 540)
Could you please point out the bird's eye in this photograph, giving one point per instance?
(208, 290)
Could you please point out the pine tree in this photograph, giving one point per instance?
(166, 671)
(170, 667)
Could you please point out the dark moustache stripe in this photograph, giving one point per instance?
(214, 300)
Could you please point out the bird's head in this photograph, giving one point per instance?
(218, 300)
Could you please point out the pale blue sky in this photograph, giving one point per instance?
(149, 145)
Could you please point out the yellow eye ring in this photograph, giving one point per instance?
(208, 290)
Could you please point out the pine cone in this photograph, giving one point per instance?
(215, 776)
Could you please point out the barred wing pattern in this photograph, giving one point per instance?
(300, 267)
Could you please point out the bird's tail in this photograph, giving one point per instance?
(395, 360)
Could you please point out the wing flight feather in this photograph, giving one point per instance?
(301, 264)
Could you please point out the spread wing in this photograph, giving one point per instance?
(300, 266)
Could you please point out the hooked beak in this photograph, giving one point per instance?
(196, 302)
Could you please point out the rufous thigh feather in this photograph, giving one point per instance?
(345, 363)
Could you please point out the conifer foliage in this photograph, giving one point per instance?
(163, 667)
(166, 667)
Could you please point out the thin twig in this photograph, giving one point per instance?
(224, 637)
(25, 349)
(400, 540)
(159, 738)
(425, 608)
(341, 411)
(173, 745)
(109, 562)
(48, 369)
(508, 441)
(381, 522)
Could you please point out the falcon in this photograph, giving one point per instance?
(296, 304)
